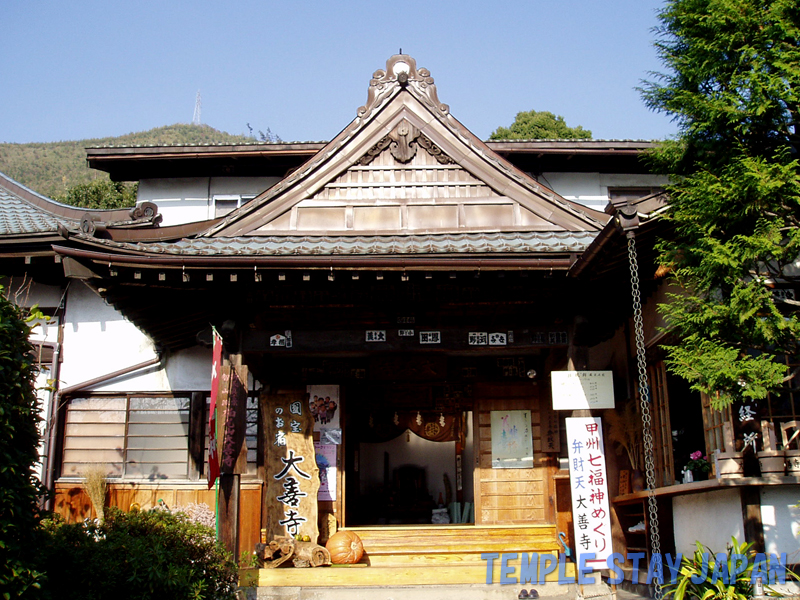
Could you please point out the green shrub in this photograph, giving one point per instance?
(19, 442)
(137, 555)
(723, 576)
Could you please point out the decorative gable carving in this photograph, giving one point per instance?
(403, 142)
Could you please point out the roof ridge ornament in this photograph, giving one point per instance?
(402, 73)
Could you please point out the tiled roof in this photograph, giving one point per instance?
(19, 215)
(254, 143)
(523, 242)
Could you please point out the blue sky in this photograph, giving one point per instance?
(84, 69)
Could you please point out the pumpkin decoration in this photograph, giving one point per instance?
(345, 548)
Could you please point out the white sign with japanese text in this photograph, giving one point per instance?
(579, 390)
(588, 479)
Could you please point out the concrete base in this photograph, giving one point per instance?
(548, 591)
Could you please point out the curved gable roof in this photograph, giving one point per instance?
(24, 212)
(406, 166)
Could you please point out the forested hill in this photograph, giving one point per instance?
(52, 168)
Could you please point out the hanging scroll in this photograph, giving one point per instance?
(512, 442)
(292, 475)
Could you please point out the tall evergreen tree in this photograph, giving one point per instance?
(732, 83)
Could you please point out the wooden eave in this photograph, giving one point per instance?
(134, 163)
(244, 160)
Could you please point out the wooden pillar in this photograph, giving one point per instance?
(751, 511)
(231, 425)
(229, 486)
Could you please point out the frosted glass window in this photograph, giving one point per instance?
(130, 437)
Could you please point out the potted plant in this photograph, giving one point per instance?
(625, 430)
(698, 466)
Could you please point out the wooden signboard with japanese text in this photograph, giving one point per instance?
(291, 472)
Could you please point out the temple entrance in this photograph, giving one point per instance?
(415, 437)
(411, 459)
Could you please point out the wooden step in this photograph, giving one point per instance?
(368, 576)
(450, 554)
(448, 545)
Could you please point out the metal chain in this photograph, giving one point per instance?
(644, 401)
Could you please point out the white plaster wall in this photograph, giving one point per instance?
(179, 200)
(591, 189)
(711, 518)
(241, 185)
(98, 341)
(188, 199)
(781, 519)
(24, 292)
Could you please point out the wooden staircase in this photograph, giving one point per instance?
(421, 555)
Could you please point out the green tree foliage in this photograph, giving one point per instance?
(19, 441)
(540, 125)
(101, 193)
(135, 555)
(732, 86)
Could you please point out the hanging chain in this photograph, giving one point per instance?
(644, 400)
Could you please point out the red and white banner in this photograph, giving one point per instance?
(213, 448)
(589, 485)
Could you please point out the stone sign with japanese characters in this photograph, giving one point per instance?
(588, 479)
(292, 475)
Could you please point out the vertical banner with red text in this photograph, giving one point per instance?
(213, 451)
(589, 483)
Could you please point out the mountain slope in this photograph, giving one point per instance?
(52, 168)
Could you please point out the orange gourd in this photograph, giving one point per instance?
(345, 548)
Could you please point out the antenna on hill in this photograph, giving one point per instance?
(197, 106)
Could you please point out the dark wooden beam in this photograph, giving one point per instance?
(228, 503)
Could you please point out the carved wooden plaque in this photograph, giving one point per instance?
(292, 476)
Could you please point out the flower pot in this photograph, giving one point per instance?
(729, 465)
(698, 475)
(772, 462)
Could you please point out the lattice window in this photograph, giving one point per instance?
(132, 437)
(662, 428)
(712, 425)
